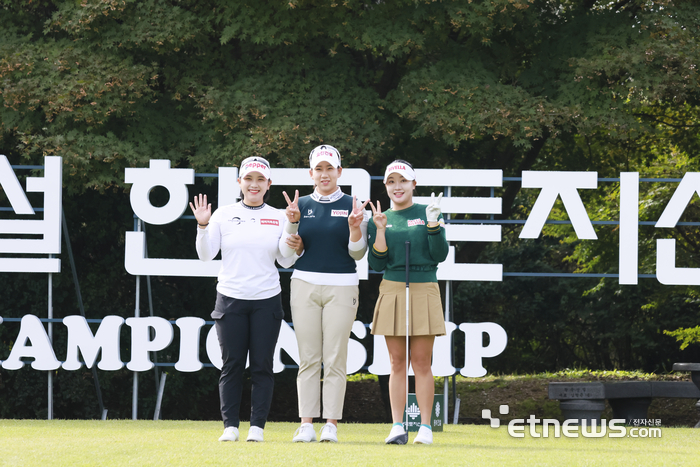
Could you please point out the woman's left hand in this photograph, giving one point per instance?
(432, 211)
(295, 243)
(357, 215)
(378, 216)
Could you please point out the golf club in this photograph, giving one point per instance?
(403, 439)
(408, 361)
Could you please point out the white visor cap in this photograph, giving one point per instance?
(326, 153)
(255, 164)
(400, 168)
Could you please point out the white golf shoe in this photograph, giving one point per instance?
(230, 434)
(424, 436)
(329, 433)
(255, 433)
(305, 434)
(397, 435)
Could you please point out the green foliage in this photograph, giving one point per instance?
(110, 84)
(685, 336)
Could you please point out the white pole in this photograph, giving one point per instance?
(137, 314)
(50, 315)
(448, 291)
(159, 398)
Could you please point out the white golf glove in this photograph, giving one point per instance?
(432, 211)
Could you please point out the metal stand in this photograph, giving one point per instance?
(50, 316)
(159, 399)
(150, 311)
(455, 420)
(79, 296)
(446, 390)
(160, 381)
(137, 314)
(448, 292)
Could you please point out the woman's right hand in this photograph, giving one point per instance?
(378, 216)
(292, 211)
(295, 243)
(201, 209)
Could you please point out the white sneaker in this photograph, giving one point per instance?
(397, 435)
(424, 436)
(305, 434)
(255, 433)
(230, 434)
(329, 433)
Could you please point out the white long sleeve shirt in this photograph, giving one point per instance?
(248, 238)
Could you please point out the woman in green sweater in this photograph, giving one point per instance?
(388, 232)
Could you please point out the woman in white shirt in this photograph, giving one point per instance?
(248, 311)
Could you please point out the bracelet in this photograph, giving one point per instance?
(202, 225)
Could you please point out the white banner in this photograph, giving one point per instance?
(154, 334)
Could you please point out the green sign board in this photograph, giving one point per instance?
(414, 416)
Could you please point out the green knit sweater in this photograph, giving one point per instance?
(428, 246)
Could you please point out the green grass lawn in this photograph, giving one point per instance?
(144, 443)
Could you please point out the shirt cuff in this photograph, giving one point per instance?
(358, 245)
(380, 254)
(290, 228)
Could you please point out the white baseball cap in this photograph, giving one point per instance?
(401, 167)
(255, 164)
(326, 153)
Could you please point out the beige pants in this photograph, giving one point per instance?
(323, 317)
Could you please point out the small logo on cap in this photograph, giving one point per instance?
(255, 165)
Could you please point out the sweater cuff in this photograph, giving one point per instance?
(379, 254)
(434, 230)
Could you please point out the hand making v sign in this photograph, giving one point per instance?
(357, 215)
(292, 211)
(378, 216)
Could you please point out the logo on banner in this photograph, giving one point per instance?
(339, 213)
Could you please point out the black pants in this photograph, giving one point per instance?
(243, 327)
